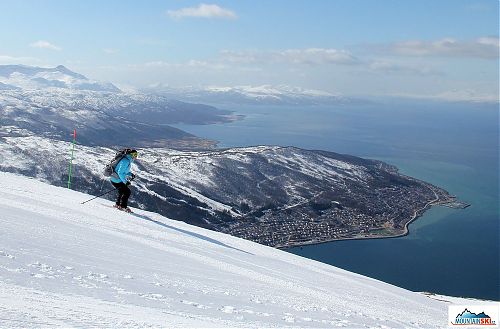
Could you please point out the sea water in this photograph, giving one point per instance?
(452, 145)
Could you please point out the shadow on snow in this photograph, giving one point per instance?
(196, 235)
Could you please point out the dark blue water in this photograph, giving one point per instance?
(452, 145)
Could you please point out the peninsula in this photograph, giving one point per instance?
(277, 196)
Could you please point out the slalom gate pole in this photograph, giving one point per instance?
(98, 196)
(71, 160)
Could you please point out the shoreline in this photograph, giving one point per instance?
(406, 231)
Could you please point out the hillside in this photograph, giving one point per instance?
(278, 196)
(71, 265)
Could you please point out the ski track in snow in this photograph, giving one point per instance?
(63, 264)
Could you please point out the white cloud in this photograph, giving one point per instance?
(318, 56)
(242, 57)
(468, 95)
(310, 56)
(203, 10)
(190, 64)
(206, 65)
(484, 47)
(391, 67)
(489, 41)
(463, 95)
(412, 70)
(44, 45)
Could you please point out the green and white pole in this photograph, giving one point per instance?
(71, 160)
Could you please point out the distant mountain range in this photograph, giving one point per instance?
(21, 77)
(252, 95)
(51, 102)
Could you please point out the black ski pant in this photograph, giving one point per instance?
(123, 194)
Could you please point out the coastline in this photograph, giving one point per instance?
(406, 231)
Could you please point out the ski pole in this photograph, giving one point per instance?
(98, 196)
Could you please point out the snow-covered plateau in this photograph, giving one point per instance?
(67, 264)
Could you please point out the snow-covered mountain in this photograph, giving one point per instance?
(52, 102)
(16, 77)
(97, 117)
(255, 95)
(64, 264)
(30, 77)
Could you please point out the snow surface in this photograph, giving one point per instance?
(64, 264)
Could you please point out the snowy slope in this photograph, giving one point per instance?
(67, 264)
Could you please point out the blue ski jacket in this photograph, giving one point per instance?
(122, 170)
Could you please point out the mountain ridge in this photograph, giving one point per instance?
(253, 95)
(278, 196)
(35, 100)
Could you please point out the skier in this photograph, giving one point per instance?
(122, 178)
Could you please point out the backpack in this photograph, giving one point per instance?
(110, 167)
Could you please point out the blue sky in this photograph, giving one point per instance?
(421, 48)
